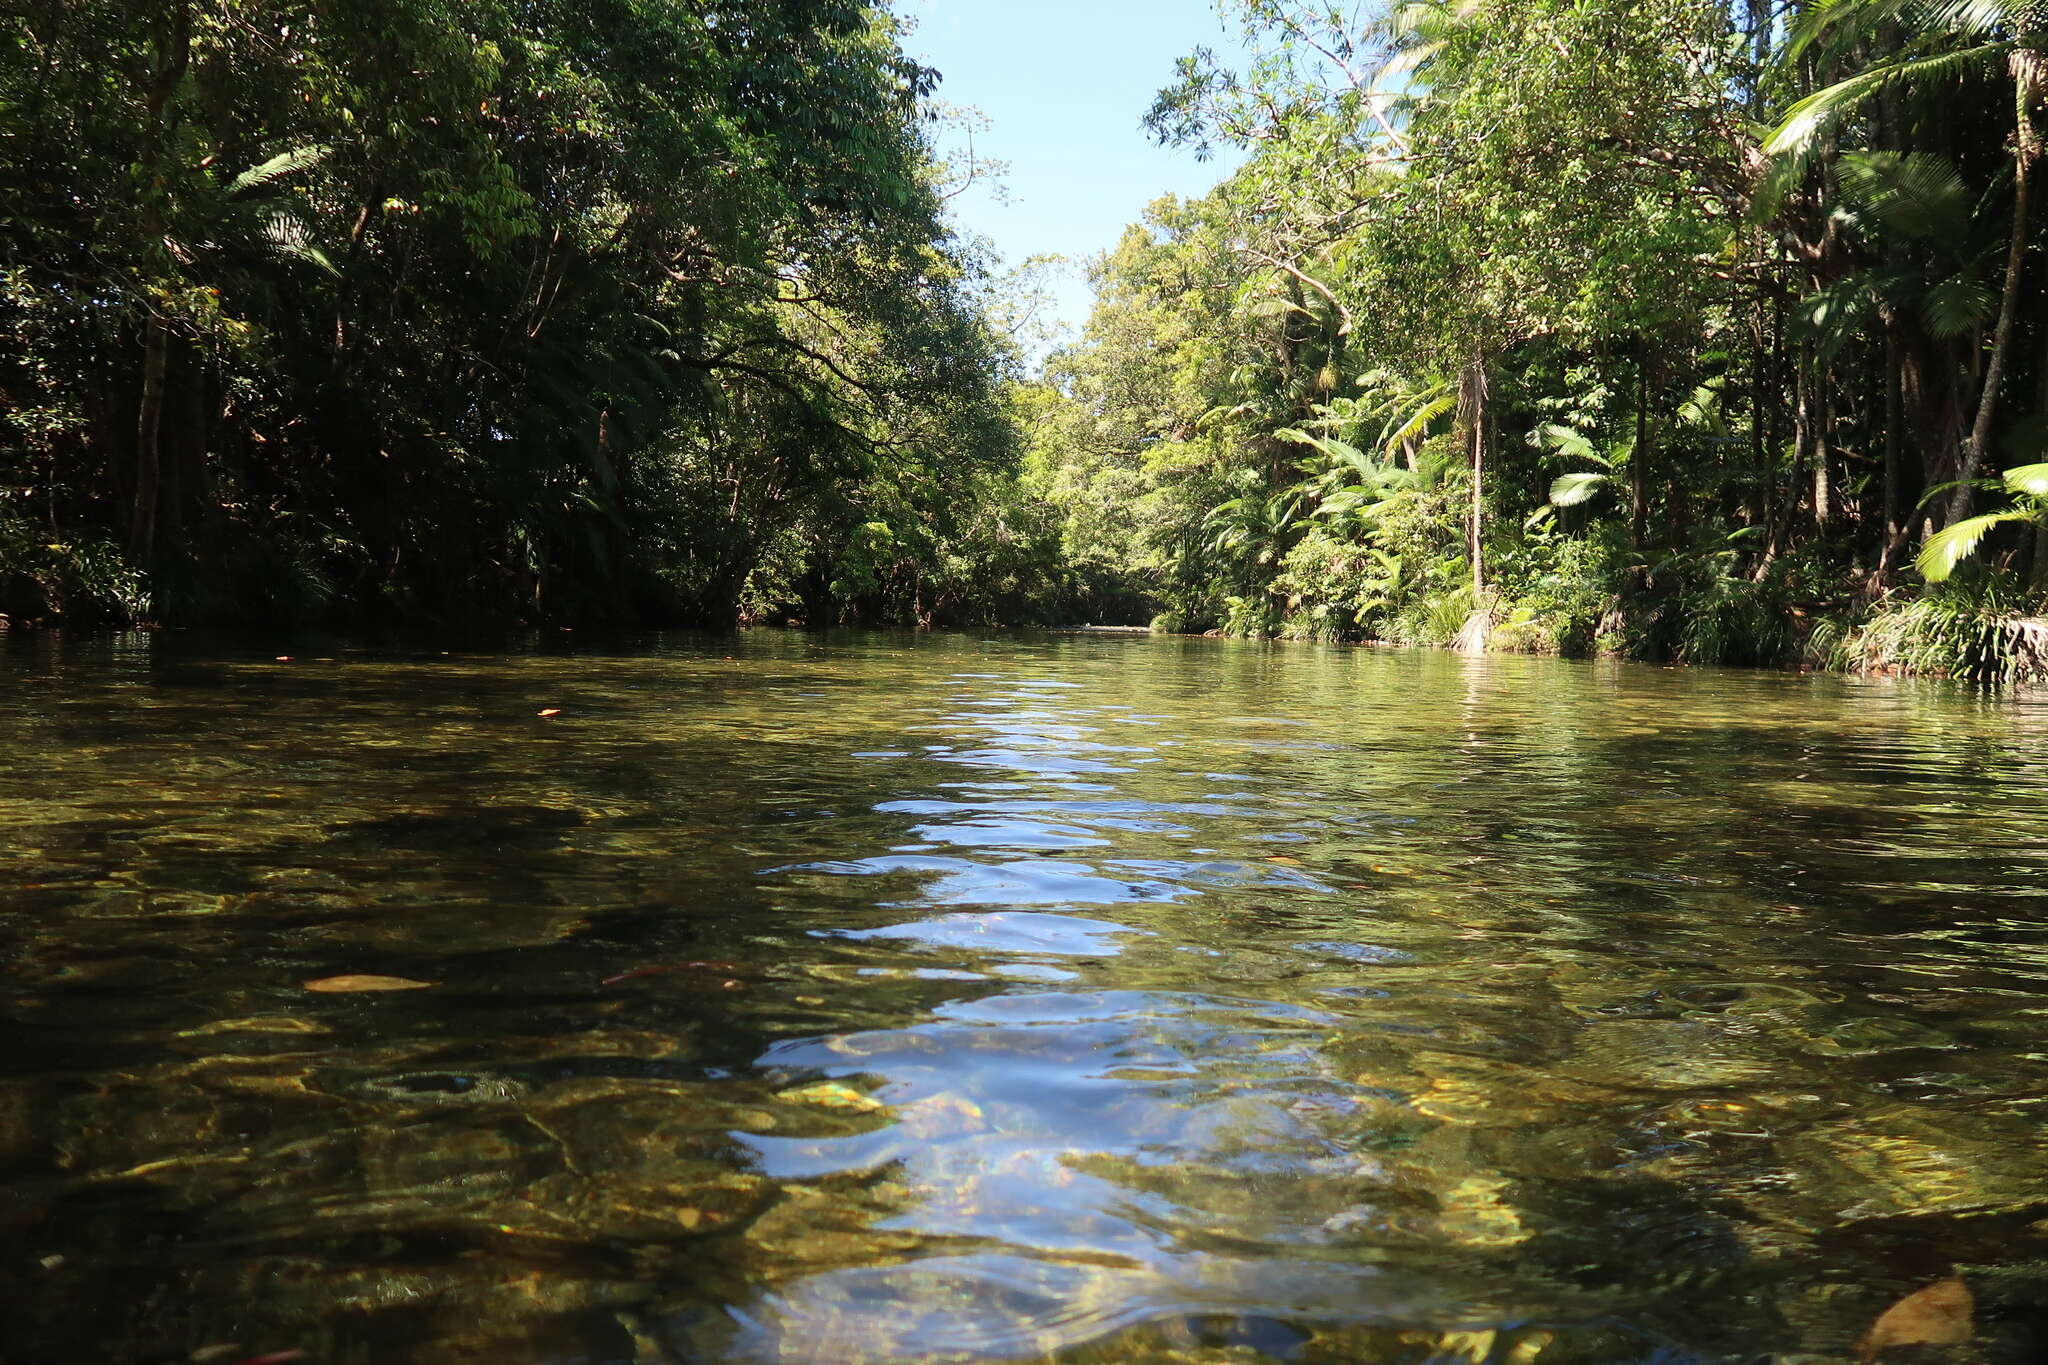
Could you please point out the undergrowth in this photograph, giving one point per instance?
(1985, 630)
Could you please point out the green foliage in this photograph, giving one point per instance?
(1955, 543)
(1739, 356)
(531, 311)
(1983, 630)
(85, 580)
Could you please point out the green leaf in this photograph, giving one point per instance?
(1956, 306)
(1418, 421)
(1946, 549)
(1808, 124)
(1563, 440)
(278, 167)
(1572, 489)
(2030, 480)
(1919, 196)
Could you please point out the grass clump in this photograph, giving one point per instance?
(1986, 631)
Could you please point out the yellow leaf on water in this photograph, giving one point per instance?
(264, 1023)
(550, 711)
(1942, 1314)
(341, 985)
(832, 1095)
(1290, 862)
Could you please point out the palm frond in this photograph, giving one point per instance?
(1570, 490)
(1838, 23)
(1836, 312)
(1808, 123)
(1956, 306)
(1919, 195)
(2029, 480)
(1978, 18)
(289, 239)
(1564, 440)
(1703, 409)
(277, 168)
(1947, 548)
(1418, 421)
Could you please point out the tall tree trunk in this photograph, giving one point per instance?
(1472, 406)
(1894, 415)
(2026, 146)
(1823, 459)
(1473, 420)
(173, 54)
(1802, 437)
(1639, 458)
(156, 349)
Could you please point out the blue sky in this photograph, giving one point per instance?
(1065, 83)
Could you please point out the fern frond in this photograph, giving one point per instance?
(277, 168)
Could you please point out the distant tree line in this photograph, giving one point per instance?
(1705, 329)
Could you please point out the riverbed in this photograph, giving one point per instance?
(874, 998)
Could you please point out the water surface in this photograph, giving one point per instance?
(864, 999)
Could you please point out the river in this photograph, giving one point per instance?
(864, 998)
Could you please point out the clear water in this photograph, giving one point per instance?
(884, 998)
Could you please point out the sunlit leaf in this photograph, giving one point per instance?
(1946, 549)
(357, 983)
(1563, 440)
(2029, 479)
(277, 168)
(1572, 489)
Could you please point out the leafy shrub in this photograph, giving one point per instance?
(1983, 630)
(84, 579)
(1724, 619)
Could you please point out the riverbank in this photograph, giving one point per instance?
(1972, 631)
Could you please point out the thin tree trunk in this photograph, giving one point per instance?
(1639, 458)
(173, 54)
(1774, 513)
(2025, 148)
(1894, 414)
(1802, 437)
(1823, 462)
(156, 349)
(1474, 402)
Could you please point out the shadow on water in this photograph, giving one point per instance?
(786, 998)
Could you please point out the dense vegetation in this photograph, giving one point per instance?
(1708, 330)
(1670, 330)
(511, 309)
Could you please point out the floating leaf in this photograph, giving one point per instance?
(353, 983)
(1942, 1314)
(549, 711)
(833, 1095)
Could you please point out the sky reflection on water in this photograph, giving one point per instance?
(915, 999)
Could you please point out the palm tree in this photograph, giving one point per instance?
(1954, 38)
